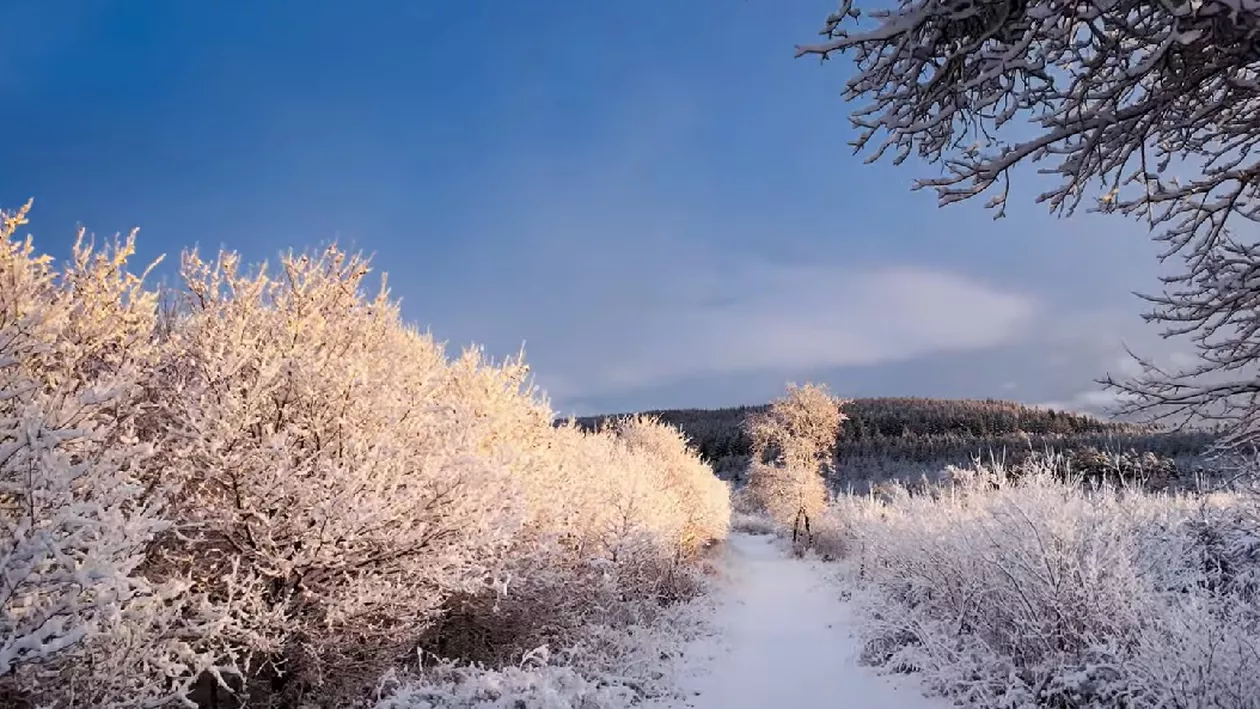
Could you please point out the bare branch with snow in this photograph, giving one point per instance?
(1110, 96)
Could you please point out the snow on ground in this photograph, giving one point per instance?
(783, 638)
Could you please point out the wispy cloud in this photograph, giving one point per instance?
(795, 318)
(622, 315)
(667, 222)
(1087, 345)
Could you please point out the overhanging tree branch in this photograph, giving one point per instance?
(1117, 93)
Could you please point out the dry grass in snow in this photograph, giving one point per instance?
(607, 667)
(1040, 593)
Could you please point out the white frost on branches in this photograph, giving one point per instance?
(1038, 592)
(279, 490)
(75, 508)
(304, 412)
(1117, 92)
(793, 453)
(81, 497)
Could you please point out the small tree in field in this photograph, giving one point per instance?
(1114, 94)
(793, 450)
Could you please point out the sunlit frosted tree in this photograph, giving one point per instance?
(84, 488)
(273, 490)
(793, 451)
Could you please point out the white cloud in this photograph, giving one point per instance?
(1092, 344)
(754, 316)
(1095, 402)
(623, 277)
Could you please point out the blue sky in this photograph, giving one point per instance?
(655, 198)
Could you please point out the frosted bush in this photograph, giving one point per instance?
(752, 523)
(696, 497)
(324, 464)
(279, 490)
(1037, 592)
(389, 498)
(605, 667)
(548, 687)
(615, 519)
(83, 491)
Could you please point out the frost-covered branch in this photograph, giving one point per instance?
(82, 494)
(1026, 590)
(1110, 97)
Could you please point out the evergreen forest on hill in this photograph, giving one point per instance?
(897, 438)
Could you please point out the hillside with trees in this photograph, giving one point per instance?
(902, 437)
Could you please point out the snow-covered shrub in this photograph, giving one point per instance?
(694, 496)
(332, 458)
(388, 498)
(747, 515)
(752, 523)
(83, 490)
(1039, 592)
(793, 452)
(614, 521)
(1094, 467)
(604, 667)
(455, 686)
(277, 489)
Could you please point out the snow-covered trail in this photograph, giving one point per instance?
(783, 638)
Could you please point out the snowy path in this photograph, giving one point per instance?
(785, 641)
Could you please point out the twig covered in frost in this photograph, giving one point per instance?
(1118, 95)
(83, 492)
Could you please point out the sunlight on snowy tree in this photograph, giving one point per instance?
(793, 445)
(611, 525)
(275, 491)
(82, 492)
(320, 466)
(1115, 98)
(701, 502)
(381, 497)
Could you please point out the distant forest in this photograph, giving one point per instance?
(905, 437)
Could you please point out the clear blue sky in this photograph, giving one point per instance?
(656, 198)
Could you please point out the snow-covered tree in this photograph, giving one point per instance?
(793, 446)
(1112, 98)
(332, 459)
(270, 486)
(83, 494)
